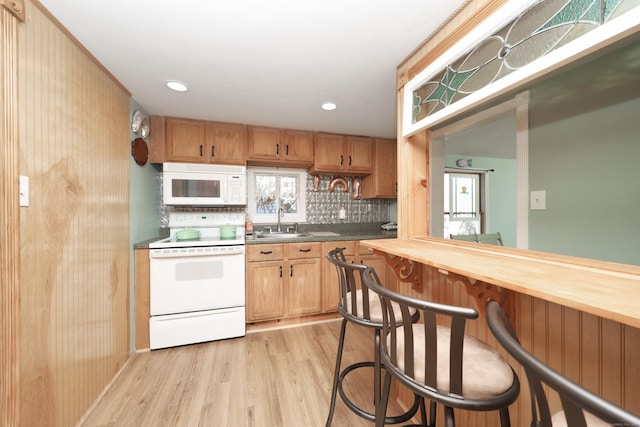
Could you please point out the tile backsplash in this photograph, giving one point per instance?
(323, 206)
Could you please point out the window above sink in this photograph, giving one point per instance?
(273, 189)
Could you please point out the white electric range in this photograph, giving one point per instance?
(197, 286)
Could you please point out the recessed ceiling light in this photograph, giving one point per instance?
(177, 86)
(328, 106)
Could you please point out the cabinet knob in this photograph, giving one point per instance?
(213, 151)
(304, 250)
(277, 148)
(201, 151)
(341, 159)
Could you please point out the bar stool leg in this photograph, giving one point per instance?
(376, 369)
(336, 374)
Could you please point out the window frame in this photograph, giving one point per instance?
(299, 217)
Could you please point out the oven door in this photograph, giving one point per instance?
(196, 278)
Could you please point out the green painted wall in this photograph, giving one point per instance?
(588, 164)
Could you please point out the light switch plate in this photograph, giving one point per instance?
(24, 190)
(538, 201)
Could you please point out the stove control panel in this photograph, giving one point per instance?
(204, 219)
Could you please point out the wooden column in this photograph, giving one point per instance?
(11, 14)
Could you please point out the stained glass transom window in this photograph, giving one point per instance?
(542, 28)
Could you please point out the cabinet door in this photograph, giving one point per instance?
(304, 293)
(359, 154)
(378, 263)
(185, 140)
(298, 147)
(329, 153)
(383, 182)
(264, 290)
(226, 143)
(330, 285)
(263, 143)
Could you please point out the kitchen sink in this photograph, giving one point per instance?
(281, 235)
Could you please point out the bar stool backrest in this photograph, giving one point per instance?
(352, 304)
(574, 398)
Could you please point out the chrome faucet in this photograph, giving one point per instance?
(279, 215)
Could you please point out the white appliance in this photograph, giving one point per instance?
(204, 185)
(197, 286)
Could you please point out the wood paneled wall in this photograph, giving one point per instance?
(9, 216)
(74, 242)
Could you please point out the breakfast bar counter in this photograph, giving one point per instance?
(606, 289)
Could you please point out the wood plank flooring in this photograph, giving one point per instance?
(270, 378)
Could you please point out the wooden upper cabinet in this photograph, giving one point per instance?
(185, 140)
(343, 154)
(197, 141)
(329, 152)
(359, 151)
(277, 147)
(383, 182)
(225, 143)
(298, 146)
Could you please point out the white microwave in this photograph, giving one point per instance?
(204, 185)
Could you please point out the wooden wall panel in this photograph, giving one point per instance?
(9, 217)
(74, 279)
(142, 277)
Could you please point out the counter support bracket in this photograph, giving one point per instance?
(409, 271)
(404, 269)
(484, 292)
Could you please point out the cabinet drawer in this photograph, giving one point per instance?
(305, 250)
(348, 245)
(268, 252)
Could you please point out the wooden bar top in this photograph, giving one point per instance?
(606, 289)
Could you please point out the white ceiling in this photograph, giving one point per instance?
(260, 62)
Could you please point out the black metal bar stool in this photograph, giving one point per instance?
(357, 306)
(581, 408)
(439, 362)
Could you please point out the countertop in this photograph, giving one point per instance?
(606, 289)
(367, 231)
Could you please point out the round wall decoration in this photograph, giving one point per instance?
(136, 122)
(140, 151)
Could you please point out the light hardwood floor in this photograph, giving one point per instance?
(271, 378)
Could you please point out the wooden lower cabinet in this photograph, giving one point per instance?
(353, 253)
(304, 287)
(283, 280)
(265, 283)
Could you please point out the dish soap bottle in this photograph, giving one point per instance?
(248, 226)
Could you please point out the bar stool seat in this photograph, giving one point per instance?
(363, 308)
(485, 373)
